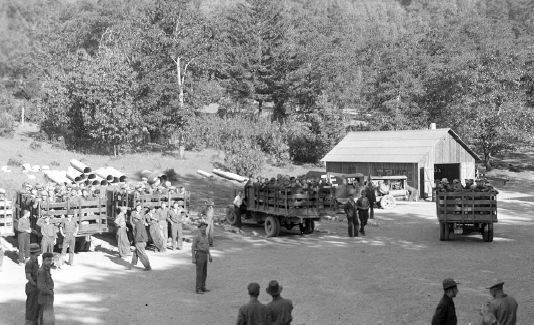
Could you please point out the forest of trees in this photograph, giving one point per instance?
(103, 74)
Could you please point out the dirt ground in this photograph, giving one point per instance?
(391, 276)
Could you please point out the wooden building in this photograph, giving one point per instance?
(421, 155)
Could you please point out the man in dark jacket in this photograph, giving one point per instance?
(279, 308)
(141, 237)
(446, 311)
(253, 313)
(352, 216)
(503, 306)
(371, 196)
(363, 211)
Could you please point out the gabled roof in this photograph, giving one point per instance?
(407, 146)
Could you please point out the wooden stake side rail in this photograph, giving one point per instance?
(6, 218)
(467, 207)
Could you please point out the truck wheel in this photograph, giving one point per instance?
(231, 217)
(488, 234)
(272, 226)
(442, 231)
(387, 202)
(307, 227)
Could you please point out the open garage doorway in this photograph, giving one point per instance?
(448, 171)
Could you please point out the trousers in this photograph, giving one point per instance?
(210, 232)
(176, 235)
(24, 246)
(69, 241)
(32, 306)
(202, 270)
(47, 245)
(46, 313)
(140, 254)
(353, 226)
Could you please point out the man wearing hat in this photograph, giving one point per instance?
(24, 230)
(253, 313)
(200, 250)
(140, 238)
(279, 308)
(45, 297)
(69, 229)
(503, 306)
(175, 216)
(31, 269)
(446, 311)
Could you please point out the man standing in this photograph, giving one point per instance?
(446, 311)
(200, 250)
(69, 230)
(175, 217)
(253, 313)
(209, 220)
(371, 196)
(32, 270)
(154, 229)
(122, 233)
(48, 231)
(279, 308)
(24, 230)
(45, 298)
(239, 208)
(503, 306)
(352, 218)
(162, 219)
(363, 211)
(141, 237)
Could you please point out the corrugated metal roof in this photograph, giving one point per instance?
(405, 146)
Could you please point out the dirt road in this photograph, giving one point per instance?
(391, 276)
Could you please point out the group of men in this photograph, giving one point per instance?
(39, 288)
(68, 229)
(359, 209)
(278, 311)
(501, 310)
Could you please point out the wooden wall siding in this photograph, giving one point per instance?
(369, 168)
(448, 151)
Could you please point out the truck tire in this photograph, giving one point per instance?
(446, 231)
(231, 217)
(488, 233)
(442, 231)
(387, 202)
(272, 226)
(307, 227)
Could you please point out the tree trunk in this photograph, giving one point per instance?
(487, 161)
(180, 84)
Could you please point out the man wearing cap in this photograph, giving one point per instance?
(446, 311)
(122, 233)
(48, 231)
(254, 312)
(352, 216)
(24, 230)
(141, 237)
(503, 306)
(279, 308)
(31, 270)
(162, 219)
(175, 216)
(69, 230)
(45, 298)
(200, 250)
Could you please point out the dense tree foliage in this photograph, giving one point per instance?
(106, 72)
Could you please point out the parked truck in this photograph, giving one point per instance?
(466, 212)
(277, 207)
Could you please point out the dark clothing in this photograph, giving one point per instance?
(352, 218)
(445, 312)
(32, 305)
(363, 212)
(280, 311)
(238, 211)
(200, 250)
(371, 196)
(505, 309)
(140, 232)
(253, 313)
(45, 284)
(24, 246)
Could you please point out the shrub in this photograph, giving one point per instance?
(243, 158)
(171, 175)
(7, 124)
(15, 162)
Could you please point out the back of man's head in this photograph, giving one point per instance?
(253, 289)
